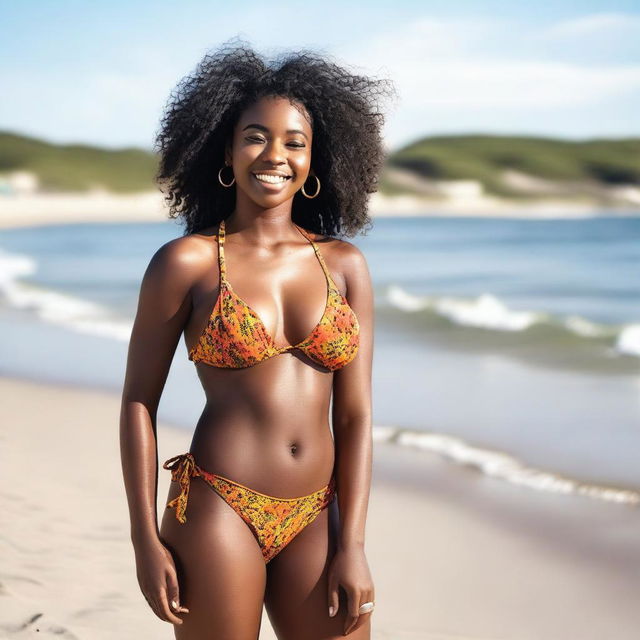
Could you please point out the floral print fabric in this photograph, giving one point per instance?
(273, 521)
(235, 336)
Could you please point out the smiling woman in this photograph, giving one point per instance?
(340, 110)
(265, 163)
(268, 131)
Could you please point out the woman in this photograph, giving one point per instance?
(265, 163)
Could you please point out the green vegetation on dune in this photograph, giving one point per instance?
(78, 167)
(483, 158)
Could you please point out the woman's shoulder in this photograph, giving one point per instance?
(188, 246)
(185, 254)
(341, 249)
(342, 256)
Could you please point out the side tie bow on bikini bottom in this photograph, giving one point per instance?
(273, 521)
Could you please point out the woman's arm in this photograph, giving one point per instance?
(163, 309)
(351, 417)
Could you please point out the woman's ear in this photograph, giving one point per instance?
(227, 153)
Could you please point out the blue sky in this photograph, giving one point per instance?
(101, 72)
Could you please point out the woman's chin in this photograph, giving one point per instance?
(266, 199)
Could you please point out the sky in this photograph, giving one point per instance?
(100, 73)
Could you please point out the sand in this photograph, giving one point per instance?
(454, 555)
(30, 210)
(26, 210)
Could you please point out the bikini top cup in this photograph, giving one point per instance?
(235, 337)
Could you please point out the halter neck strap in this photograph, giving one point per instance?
(318, 254)
(222, 262)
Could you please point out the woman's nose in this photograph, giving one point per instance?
(275, 153)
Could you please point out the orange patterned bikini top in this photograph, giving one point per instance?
(235, 337)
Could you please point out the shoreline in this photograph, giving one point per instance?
(453, 554)
(103, 207)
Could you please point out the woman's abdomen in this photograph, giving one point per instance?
(280, 449)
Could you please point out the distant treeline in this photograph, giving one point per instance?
(77, 167)
(472, 157)
(484, 158)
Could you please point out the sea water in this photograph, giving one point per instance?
(508, 345)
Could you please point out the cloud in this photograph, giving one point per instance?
(470, 72)
(595, 25)
(465, 64)
(504, 84)
(106, 107)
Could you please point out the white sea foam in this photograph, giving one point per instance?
(586, 328)
(57, 308)
(14, 266)
(486, 311)
(489, 312)
(405, 301)
(629, 340)
(500, 465)
(94, 319)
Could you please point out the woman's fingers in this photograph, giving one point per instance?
(167, 615)
(160, 606)
(353, 604)
(333, 596)
(177, 607)
(354, 618)
(174, 594)
(156, 607)
(366, 596)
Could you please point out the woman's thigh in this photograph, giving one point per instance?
(296, 595)
(221, 571)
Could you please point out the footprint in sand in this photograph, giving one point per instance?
(34, 623)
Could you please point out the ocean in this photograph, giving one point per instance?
(511, 346)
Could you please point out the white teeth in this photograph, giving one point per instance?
(267, 178)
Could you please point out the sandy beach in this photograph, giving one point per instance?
(479, 189)
(32, 210)
(455, 555)
(27, 210)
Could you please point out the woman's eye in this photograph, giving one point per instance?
(296, 145)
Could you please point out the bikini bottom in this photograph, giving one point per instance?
(273, 521)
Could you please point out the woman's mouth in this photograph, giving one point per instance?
(270, 181)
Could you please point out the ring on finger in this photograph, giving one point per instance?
(367, 607)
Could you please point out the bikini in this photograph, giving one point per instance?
(235, 337)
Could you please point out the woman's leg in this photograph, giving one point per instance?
(296, 594)
(221, 571)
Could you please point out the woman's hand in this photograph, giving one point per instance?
(349, 569)
(157, 577)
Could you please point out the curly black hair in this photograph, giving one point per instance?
(203, 109)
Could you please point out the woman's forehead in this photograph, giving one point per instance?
(276, 112)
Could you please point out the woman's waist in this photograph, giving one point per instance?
(280, 459)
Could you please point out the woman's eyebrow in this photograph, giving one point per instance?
(266, 129)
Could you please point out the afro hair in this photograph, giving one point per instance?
(345, 116)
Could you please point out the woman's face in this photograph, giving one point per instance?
(270, 151)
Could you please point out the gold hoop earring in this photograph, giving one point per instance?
(316, 193)
(220, 177)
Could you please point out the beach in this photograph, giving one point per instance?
(25, 210)
(477, 233)
(473, 531)
(454, 554)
